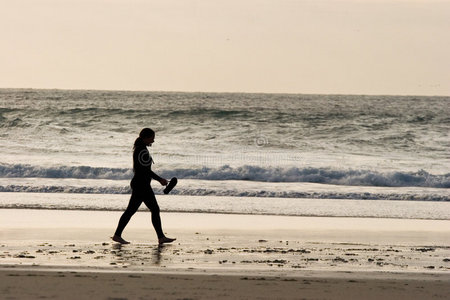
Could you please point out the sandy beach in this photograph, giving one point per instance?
(118, 285)
(68, 254)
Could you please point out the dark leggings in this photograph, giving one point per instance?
(137, 197)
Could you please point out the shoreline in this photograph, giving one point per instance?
(144, 210)
(226, 242)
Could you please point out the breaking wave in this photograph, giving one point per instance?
(80, 172)
(349, 177)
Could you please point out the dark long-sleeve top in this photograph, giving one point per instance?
(142, 166)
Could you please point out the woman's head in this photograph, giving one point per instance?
(146, 136)
(146, 133)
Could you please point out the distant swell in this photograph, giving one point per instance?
(230, 193)
(251, 173)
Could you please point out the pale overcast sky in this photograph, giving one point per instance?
(395, 47)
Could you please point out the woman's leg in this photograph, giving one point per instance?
(133, 205)
(150, 202)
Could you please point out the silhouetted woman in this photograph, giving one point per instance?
(141, 189)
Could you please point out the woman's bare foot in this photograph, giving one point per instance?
(165, 239)
(119, 239)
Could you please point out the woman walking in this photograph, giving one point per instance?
(141, 188)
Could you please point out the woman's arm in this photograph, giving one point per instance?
(156, 177)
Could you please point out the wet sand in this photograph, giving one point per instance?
(89, 285)
(64, 254)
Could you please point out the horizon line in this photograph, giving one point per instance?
(221, 92)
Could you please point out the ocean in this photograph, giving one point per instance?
(276, 154)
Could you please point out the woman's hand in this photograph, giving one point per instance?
(163, 181)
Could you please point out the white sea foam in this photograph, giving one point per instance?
(251, 173)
